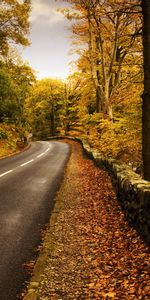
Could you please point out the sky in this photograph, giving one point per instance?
(50, 40)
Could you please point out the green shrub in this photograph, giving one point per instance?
(3, 135)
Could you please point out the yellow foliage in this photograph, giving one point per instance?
(117, 140)
(10, 140)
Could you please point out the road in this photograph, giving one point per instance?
(28, 182)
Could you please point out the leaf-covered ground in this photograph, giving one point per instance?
(94, 254)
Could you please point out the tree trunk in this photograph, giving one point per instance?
(52, 118)
(108, 105)
(93, 64)
(146, 94)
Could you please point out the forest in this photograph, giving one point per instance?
(100, 102)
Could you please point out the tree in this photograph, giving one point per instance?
(146, 94)
(109, 33)
(8, 94)
(14, 24)
(107, 39)
(70, 115)
(23, 78)
(16, 79)
(45, 107)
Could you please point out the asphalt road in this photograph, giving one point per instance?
(28, 182)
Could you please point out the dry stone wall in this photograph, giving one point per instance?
(132, 191)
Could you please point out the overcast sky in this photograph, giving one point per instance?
(50, 42)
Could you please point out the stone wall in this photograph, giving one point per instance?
(132, 191)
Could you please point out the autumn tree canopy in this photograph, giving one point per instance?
(101, 99)
(109, 34)
(14, 23)
(16, 77)
(108, 75)
(45, 107)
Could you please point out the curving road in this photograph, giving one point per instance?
(28, 182)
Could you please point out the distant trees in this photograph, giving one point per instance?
(52, 107)
(45, 107)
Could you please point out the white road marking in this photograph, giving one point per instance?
(6, 173)
(26, 163)
(46, 151)
(40, 154)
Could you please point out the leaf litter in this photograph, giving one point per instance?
(94, 253)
